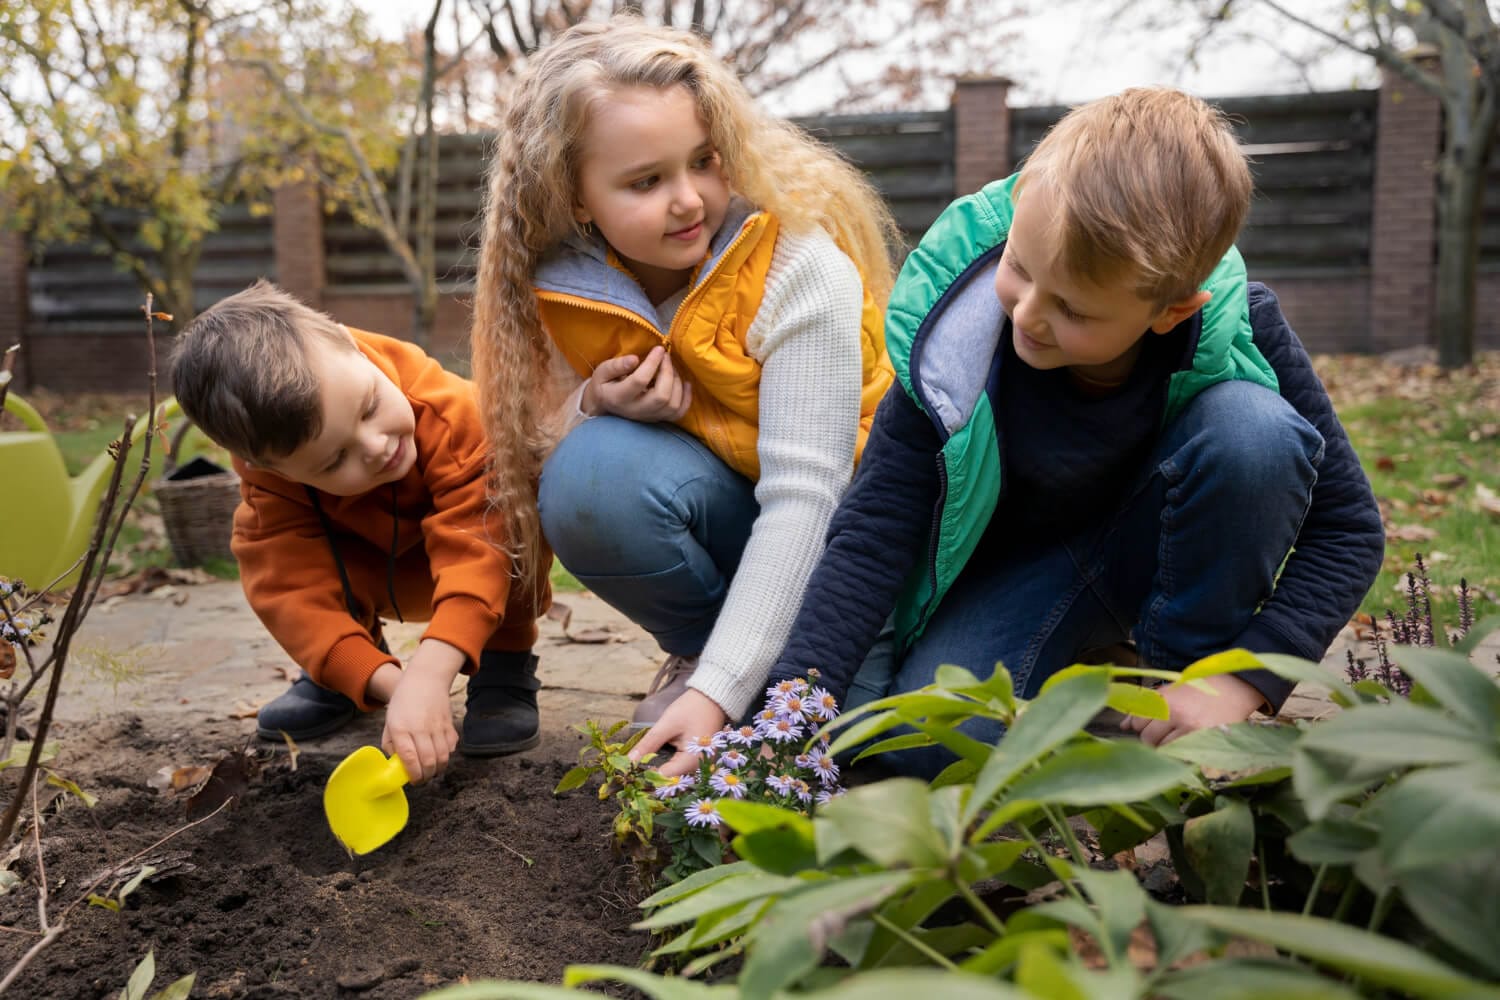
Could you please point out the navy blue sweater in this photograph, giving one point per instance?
(877, 533)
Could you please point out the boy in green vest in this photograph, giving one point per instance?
(1102, 431)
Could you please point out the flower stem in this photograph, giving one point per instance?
(1312, 894)
(937, 958)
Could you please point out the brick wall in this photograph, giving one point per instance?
(1402, 245)
(298, 237)
(392, 315)
(1329, 314)
(13, 300)
(981, 110)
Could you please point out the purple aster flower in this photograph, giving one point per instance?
(782, 784)
(781, 730)
(827, 795)
(703, 812)
(823, 705)
(823, 764)
(804, 761)
(784, 687)
(744, 736)
(803, 790)
(793, 705)
(670, 787)
(700, 747)
(728, 783)
(733, 760)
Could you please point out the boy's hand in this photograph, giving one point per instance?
(692, 714)
(1191, 709)
(648, 391)
(419, 718)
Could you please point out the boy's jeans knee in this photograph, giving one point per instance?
(649, 519)
(1181, 566)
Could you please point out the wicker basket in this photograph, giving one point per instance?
(197, 506)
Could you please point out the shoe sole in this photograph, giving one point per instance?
(499, 749)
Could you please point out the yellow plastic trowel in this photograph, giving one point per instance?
(365, 801)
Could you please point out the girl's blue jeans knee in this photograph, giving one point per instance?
(1181, 566)
(648, 518)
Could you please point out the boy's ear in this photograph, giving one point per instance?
(1176, 312)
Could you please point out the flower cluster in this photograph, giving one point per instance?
(20, 627)
(767, 760)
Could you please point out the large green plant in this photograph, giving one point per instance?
(1386, 815)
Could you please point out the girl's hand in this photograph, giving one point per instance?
(1190, 709)
(692, 714)
(648, 391)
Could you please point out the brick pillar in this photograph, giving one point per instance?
(1404, 215)
(981, 114)
(13, 303)
(297, 224)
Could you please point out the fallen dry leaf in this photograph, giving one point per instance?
(291, 749)
(1449, 480)
(245, 710)
(1488, 501)
(1412, 533)
(560, 613)
(593, 635)
(1385, 463)
(1436, 498)
(227, 782)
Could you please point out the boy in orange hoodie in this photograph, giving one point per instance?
(362, 466)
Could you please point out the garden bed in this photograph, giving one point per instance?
(494, 877)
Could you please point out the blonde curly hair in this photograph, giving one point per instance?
(528, 210)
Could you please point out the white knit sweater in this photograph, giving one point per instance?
(806, 336)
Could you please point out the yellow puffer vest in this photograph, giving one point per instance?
(594, 310)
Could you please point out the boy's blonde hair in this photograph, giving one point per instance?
(240, 372)
(533, 180)
(1150, 187)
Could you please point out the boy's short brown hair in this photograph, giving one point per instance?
(1151, 188)
(241, 373)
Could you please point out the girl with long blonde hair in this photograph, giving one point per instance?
(679, 349)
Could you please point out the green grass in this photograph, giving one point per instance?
(1427, 441)
(564, 582)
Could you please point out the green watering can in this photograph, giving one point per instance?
(47, 516)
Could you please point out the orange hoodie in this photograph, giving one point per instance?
(288, 570)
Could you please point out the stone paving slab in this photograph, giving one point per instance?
(196, 657)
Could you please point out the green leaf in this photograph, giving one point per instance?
(750, 817)
(783, 851)
(19, 751)
(656, 987)
(1457, 684)
(140, 979)
(1478, 634)
(1132, 699)
(1375, 958)
(1175, 937)
(180, 990)
(998, 687)
(135, 882)
(1231, 661)
(1051, 719)
(693, 883)
(573, 779)
(1459, 903)
(1005, 951)
(903, 984)
(906, 913)
(793, 933)
(906, 741)
(1438, 816)
(1042, 974)
(890, 822)
(1088, 773)
(1294, 668)
(1121, 903)
(1332, 840)
(719, 896)
(58, 781)
(1250, 979)
(1219, 846)
(1237, 748)
(865, 729)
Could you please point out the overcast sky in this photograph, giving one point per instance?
(1066, 51)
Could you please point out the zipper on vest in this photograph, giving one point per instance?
(701, 283)
(932, 544)
(608, 309)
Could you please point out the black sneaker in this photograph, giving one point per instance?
(501, 714)
(304, 711)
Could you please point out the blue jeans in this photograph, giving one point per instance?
(1180, 567)
(648, 518)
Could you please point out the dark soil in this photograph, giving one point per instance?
(276, 908)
